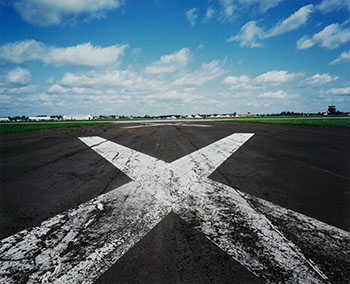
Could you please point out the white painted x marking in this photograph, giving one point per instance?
(79, 245)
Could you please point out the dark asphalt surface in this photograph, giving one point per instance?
(305, 169)
(173, 252)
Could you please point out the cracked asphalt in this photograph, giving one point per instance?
(305, 169)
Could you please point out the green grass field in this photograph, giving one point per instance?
(320, 122)
(339, 123)
(33, 126)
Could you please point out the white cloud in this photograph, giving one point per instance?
(331, 37)
(242, 82)
(319, 79)
(82, 54)
(227, 8)
(17, 76)
(18, 90)
(264, 5)
(191, 16)
(250, 33)
(105, 79)
(50, 80)
(276, 95)
(4, 99)
(208, 71)
(209, 14)
(327, 6)
(170, 63)
(172, 95)
(235, 80)
(337, 91)
(53, 12)
(21, 51)
(344, 57)
(86, 92)
(230, 9)
(276, 77)
(293, 22)
(146, 90)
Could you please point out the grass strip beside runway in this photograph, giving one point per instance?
(338, 123)
(27, 127)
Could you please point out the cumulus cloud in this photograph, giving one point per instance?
(319, 79)
(17, 76)
(337, 91)
(18, 90)
(143, 88)
(344, 57)
(276, 95)
(264, 5)
(327, 6)
(170, 63)
(250, 33)
(209, 14)
(192, 16)
(331, 37)
(104, 79)
(293, 22)
(21, 51)
(229, 8)
(208, 71)
(242, 83)
(235, 80)
(52, 12)
(173, 95)
(82, 54)
(276, 77)
(4, 99)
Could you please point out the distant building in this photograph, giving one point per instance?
(3, 119)
(226, 115)
(40, 118)
(245, 115)
(77, 117)
(332, 109)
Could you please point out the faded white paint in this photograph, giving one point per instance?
(79, 245)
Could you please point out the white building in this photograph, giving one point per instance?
(77, 117)
(4, 119)
(40, 118)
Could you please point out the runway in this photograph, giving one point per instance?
(293, 179)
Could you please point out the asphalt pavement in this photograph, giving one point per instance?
(305, 169)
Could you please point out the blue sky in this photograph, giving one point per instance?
(173, 57)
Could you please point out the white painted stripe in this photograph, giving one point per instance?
(79, 245)
(204, 161)
(133, 163)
